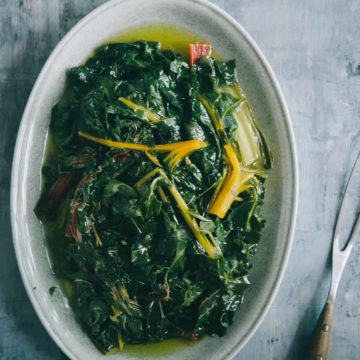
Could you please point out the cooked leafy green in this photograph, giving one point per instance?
(156, 187)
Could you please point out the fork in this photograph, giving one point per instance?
(321, 340)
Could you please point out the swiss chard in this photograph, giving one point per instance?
(159, 178)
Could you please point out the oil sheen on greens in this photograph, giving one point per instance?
(154, 192)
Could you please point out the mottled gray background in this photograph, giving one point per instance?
(314, 49)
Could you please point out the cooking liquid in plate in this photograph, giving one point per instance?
(172, 38)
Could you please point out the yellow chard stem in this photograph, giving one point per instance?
(177, 157)
(149, 114)
(235, 183)
(206, 244)
(120, 341)
(190, 145)
(191, 222)
(153, 158)
(182, 151)
(114, 144)
(147, 177)
(212, 115)
(163, 197)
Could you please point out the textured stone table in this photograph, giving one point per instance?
(314, 49)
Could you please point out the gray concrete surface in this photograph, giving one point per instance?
(314, 49)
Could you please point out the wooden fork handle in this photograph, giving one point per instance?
(321, 338)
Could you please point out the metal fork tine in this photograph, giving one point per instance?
(342, 212)
(354, 234)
